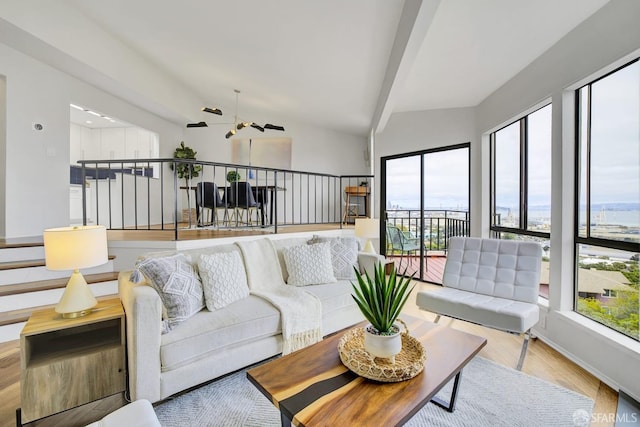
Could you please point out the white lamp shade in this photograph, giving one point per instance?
(73, 248)
(367, 228)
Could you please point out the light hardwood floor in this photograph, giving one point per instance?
(542, 361)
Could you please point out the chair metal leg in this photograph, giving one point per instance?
(437, 319)
(523, 352)
(402, 257)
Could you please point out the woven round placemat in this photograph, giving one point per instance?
(408, 363)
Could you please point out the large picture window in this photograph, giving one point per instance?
(608, 200)
(521, 183)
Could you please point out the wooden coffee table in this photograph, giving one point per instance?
(312, 387)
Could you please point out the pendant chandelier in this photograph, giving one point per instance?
(237, 123)
(216, 111)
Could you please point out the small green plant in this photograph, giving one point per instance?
(233, 176)
(380, 300)
(185, 171)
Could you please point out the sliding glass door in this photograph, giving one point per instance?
(426, 201)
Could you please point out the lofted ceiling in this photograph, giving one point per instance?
(327, 62)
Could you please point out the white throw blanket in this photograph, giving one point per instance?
(300, 311)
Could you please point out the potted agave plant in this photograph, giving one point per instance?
(380, 300)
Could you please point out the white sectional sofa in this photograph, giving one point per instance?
(213, 343)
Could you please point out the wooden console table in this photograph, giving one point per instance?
(69, 362)
(351, 209)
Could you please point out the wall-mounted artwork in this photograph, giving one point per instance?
(262, 152)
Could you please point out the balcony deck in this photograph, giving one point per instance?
(434, 266)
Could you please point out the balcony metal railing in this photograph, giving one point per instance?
(164, 194)
(439, 225)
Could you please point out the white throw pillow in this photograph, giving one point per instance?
(223, 278)
(344, 255)
(178, 285)
(309, 264)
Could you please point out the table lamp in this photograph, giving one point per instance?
(73, 248)
(368, 228)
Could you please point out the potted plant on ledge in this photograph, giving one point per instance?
(380, 300)
(186, 171)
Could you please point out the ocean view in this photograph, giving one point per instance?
(620, 214)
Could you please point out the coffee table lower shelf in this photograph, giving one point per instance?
(312, 387)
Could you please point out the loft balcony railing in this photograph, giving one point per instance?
(439, 225)
(152, 194)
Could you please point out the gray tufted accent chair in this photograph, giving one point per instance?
(489, 282)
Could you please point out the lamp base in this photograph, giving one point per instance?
(76, 314)
(368, 247)
(77, 299)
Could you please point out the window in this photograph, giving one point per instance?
(607, 233)
(426, 201)
(521, 175)
(521, 183)
(610, 293)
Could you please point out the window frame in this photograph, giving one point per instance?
(523, 202)
(587, 239)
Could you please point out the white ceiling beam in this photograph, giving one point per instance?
(413, 27)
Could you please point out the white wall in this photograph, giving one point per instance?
(77, 41)
(421, 130)
(313, 149)
(3, 151)
(607, 37)
(37, 162)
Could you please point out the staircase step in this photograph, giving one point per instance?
(50, 296)
(33, 274)
(22, 315)
(22, 242)
(43, 285)
(22, 253)
(28, 263)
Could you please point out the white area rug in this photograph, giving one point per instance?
(489, 395)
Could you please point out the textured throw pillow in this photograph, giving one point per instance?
(223, 278)
(309, 264)
(344, 255)
(178, 285)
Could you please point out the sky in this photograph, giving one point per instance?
(615, 137)
(446, 180)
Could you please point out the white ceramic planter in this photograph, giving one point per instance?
(383, 346)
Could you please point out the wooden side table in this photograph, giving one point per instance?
(69, 362)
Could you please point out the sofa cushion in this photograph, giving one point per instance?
(178, 285)
(224, 279)
(309, 264)
(333, 296)
(239, 323)
(344, 255)
(495, 312)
